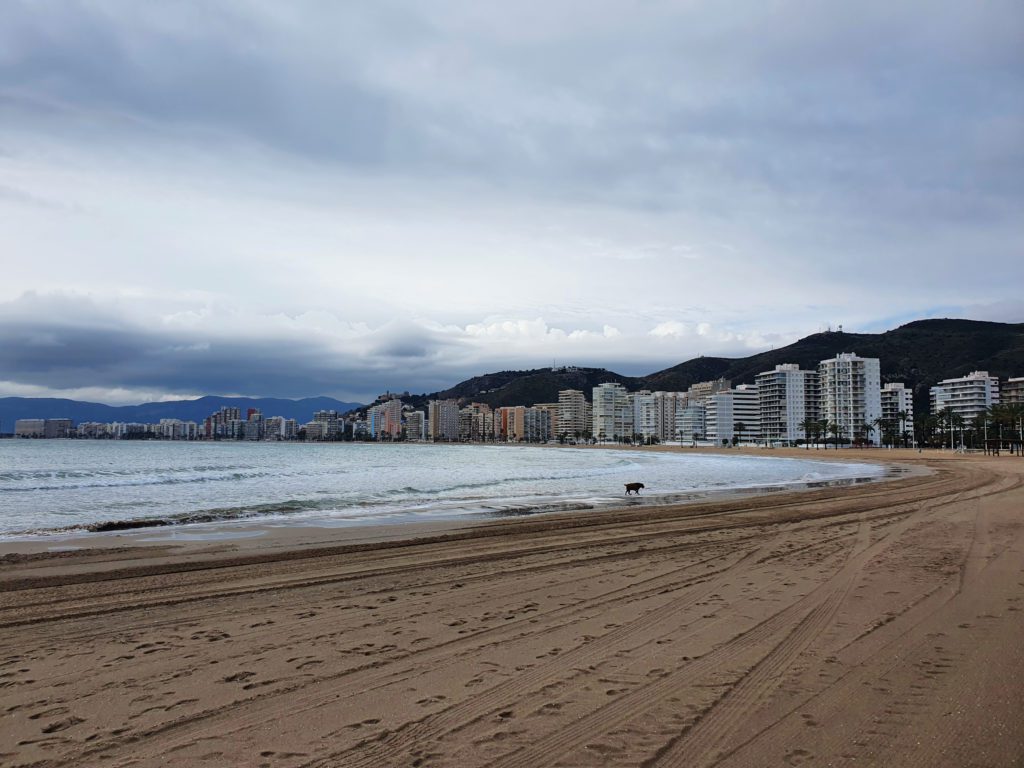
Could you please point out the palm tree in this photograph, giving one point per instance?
(836, 430)
(810, 427)
(866, 429)
(823, 431)
(738, 428)
(885, 430)
(903, 416)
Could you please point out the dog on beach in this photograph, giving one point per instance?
(633, 488)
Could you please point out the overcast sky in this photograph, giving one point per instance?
(300, 198)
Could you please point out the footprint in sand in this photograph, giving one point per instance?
(61, 725)
(797, 757)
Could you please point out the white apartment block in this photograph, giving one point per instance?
(1012, 393)
(898, 399)
(574, 413)
(613, 412)
(443, 420)
(666, 405)
(746, 409)
(725, 410)
(644, 414)
(703, 389)
(654, 414)
(787, 397)
(718, 417)
(690, 421)
(851, 394)
(967, 396)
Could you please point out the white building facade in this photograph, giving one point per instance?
(613, 412)
(967, 396)
(897, 414)
(787, 397)
(851, 395)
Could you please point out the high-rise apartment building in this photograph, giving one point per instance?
(574, 415)
(654, 414)
(690, 421)
(1012, 392)
(613, 412)
(733, 412)
(967, 396)
(443, 420)
(553, 411)
(415, 426)
(30, 427)
(787, 397)
(897, 424)
(536, 425)
(851, 398)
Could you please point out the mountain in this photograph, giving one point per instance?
(13, 408)
(919, 354)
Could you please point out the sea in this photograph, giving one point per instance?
(61, 487)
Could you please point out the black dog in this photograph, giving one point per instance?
(634, 488)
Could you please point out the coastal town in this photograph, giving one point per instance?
(842, 402)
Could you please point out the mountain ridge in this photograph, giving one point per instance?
(919, 353)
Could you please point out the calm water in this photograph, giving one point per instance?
(48, 485)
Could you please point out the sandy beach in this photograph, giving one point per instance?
(873, 625)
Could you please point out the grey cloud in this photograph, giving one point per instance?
(664, 107)
(66, 342)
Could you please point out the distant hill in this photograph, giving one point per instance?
(13, 408)
(919, 354)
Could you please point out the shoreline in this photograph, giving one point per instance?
(243, 532)
(878, 624)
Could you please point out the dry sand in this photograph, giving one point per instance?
(875, 625)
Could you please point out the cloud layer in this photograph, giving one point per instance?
(319, 197)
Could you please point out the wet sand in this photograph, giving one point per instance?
(880, 624)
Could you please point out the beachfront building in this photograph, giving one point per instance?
(967, 396)
(897, 425)
(385, 419)
(510, 426)
(718, 418)
(787, 397)
(93, 430)
(476, 423)
(690, 421)
(654, 414)
(536, 425)
(552, 411)
(443, 420)
(644, 415)
(332, 426)
(704, 389)
(30, 428)
(613, 412)
(415, 426)
(746, 411)
(1012, 392)
(733, 413)
(575, 417)
(851, 395)
(176, 429)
